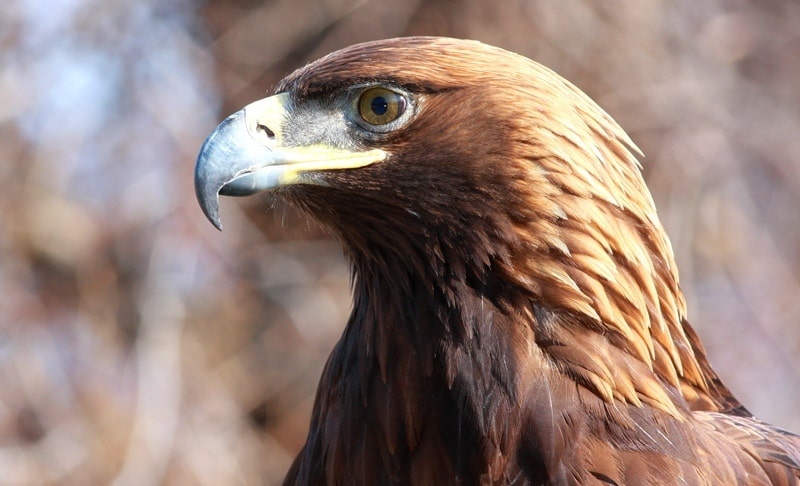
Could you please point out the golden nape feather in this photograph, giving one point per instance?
(517, 316)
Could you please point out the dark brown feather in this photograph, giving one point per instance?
(517, 315)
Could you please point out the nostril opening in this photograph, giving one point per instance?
(265, 129)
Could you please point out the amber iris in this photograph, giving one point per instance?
(379, 106)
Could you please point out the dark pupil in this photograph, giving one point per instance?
(379, 105)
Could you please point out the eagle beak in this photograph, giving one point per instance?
(245, 155)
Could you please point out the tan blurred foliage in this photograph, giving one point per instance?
(140, 346)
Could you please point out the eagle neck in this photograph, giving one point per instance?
(433, 360)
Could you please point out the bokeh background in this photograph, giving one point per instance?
(140, 346)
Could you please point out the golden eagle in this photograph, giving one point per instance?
(517, 317)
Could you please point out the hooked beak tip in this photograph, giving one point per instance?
(208, 198)
(213, 169)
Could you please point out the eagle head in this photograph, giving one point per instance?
(460, 161)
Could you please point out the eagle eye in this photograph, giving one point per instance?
(378, 106)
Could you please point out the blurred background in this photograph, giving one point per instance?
(140, 346)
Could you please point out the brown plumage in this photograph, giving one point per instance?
(517, 316)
